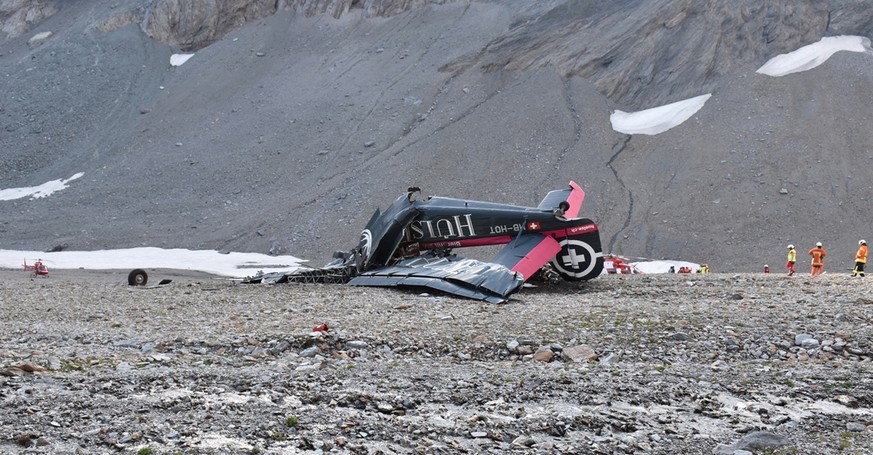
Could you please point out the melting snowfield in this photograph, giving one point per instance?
(237, 265)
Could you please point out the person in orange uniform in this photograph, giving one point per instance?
(792, 258)
(860, 258)
(818, 254)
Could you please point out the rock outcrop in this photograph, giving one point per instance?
(18, 16)
(194, 25)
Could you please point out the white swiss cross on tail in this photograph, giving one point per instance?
(572, 259)
(533, 226)
(576, 259)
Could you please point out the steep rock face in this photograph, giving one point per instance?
(370, 8)
(637, 53)
(192, 25)
(645, 53)
(18, 16)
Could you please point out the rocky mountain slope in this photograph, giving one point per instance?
(294, 120)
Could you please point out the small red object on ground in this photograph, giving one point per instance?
(321, 328)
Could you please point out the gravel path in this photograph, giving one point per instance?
(643, 364)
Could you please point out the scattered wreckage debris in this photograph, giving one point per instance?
(21, 370)
(139, 277)
(411, 243)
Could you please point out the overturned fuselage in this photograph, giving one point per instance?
(410, 244)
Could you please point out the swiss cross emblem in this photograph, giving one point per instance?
(533, 226)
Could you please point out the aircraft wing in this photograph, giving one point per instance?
(465, 277)
(527, 253)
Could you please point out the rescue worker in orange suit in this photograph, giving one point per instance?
(818, 254)
(792, 258)
(860, 259)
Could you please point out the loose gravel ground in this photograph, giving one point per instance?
(660, 364)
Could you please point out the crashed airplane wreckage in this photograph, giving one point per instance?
(410, 243)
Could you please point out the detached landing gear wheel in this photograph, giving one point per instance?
(137, 277)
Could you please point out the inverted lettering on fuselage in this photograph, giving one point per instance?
(456, 226)
(506, 228)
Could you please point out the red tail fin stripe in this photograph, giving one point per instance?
(577, 195)
(571, 231)
(539, 255)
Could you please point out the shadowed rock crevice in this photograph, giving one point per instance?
(620, 147)
(577, 122)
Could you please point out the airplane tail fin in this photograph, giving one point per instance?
(581, 255)
(569, 201)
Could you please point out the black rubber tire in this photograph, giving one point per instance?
(137, 277)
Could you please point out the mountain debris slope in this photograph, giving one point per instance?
(621, 365)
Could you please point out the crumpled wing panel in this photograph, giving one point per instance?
(527, 253)
(460, 276)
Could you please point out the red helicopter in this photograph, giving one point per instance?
(38, 268)
(617, 265)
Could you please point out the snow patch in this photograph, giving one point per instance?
(36, 192)
(179, 59)
(658, 119)
(238, 265)
(663, 266)
(812, 55)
